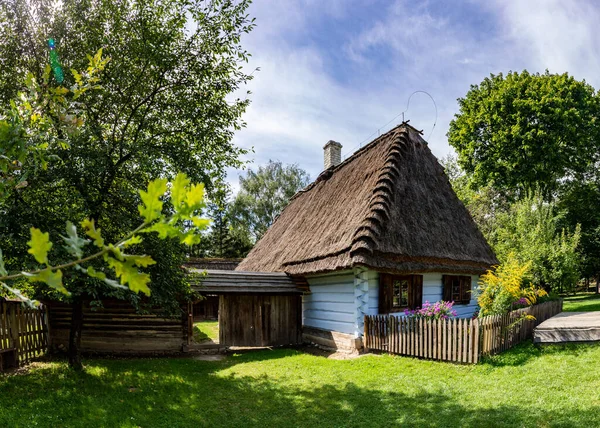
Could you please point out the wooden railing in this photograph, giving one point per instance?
(23, 333)
(457, 340)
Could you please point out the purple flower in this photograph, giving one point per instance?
(438, 310)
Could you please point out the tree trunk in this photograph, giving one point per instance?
(75, 334)
(597, 283)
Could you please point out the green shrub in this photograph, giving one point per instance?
(507, 287)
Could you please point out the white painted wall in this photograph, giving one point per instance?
(330, 305)
(373, 292)
(432, 292)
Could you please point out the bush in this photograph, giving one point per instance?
(436, 311)
(508, 287)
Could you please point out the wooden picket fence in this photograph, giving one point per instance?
(447, 340)
(456, 340)
(23, 333)
(502, 332)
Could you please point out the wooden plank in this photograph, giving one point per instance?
(412, 336)
(454, 335)
(396, 335)
(443, 339)
(429, 339)
(465, 340)
(475, 341)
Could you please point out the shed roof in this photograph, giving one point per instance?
(389, 206)
(211, 263)
(228, 281)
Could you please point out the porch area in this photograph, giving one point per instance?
(569, 327)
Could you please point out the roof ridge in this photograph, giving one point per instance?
(327, 173)
(369, 230)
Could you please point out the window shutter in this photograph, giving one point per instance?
(447, 288)
(417, 292)
(385, 293)
(465, 289)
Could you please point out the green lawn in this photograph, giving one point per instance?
(527, 386)
(582, 303)
(205, 331)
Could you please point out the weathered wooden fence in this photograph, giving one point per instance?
(457, 340)
(23, 333)
(117, 328)
(502, 332)
(447, 340)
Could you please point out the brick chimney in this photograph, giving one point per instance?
(332, 152)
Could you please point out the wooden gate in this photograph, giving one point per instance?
(260, 320)
(23, 333)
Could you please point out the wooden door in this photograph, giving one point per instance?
(260, 320)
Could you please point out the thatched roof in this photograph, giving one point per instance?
(389, 207)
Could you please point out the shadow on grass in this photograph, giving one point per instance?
(184, 392)
(582, 303)
(206, 331)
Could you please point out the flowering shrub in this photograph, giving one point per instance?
(437, 311)
(508, 287)
(521, 303)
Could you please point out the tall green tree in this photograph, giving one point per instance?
(531, 231)
(525, 132)
(165, 105)
(484, 203)
(264, 194)
(222, 240)
(580, 204)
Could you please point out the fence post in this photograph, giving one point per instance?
(475, 340)
(13, 328)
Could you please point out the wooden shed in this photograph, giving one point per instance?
(207, 308)
(255, 308)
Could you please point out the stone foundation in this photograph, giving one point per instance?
(342, 342)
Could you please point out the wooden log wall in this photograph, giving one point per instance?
(457, 340)
(23, 333)
(260, 320)
(117, 328)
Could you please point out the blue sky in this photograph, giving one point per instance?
(340, 69)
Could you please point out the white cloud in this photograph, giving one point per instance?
(299, 102)
(559, 35)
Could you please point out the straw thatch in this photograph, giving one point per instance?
(389, 207)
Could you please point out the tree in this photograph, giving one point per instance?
(484, 203)
(530, 230)
(580, 204)
(26, 138)
(222, 240)
(264, 194)
(525, 132)
(164, 106)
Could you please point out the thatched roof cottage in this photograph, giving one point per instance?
(380, 232)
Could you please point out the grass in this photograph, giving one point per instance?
(585, 302)
(205, 331)
(526, 386)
